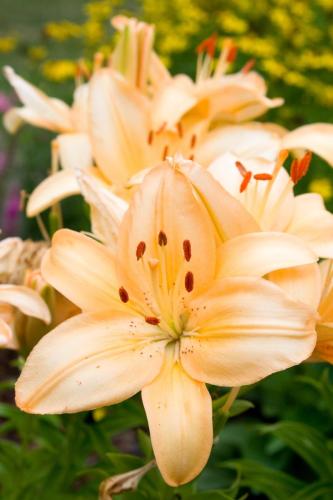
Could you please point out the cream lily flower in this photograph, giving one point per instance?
(174, 310)
(266, 190)
(16, 297)
(71, 146)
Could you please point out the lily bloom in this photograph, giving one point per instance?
(29, 307)
(169, 312)
(266, 190)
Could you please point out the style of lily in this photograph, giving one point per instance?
(266, 190)
(169, 312)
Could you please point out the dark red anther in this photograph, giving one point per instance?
(191, 158)
(245, 181)
(180, 129)
(193, 141)
(248, 66)
(242, 170)
(299, 168)
(208, 45)
(123, 294)
(189, 281)
(263, 177)
(187, 250)
(165, 152)
(140, 250)
(162, 239)
(152, 320)
(150, 137)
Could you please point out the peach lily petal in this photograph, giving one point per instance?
(243, 330)
(26, 300)
(256, 254)
(54, 188)
(74, 151)
(179, 411)
(316, 137)
(313, 223)
(83, 270)
(119, 125)
(85, 363)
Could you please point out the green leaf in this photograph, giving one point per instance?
(275, 484)
(307, 442)
(240, 406)
(315, 491)
(210, 495)
(145, 444)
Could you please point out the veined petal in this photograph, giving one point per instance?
(26, 300)
(80, 108)
(256, 254)
(300, 283)
(316, 137)
(244, 329)
(313, 223)
(326, 302)
(172, 101)
(324, 345)
(164, 214)
(53, 114)
(106, 208)
(245, 141)
(89, 361)
(83, 270)
(227, 213)
(179, 411)
(119, 124)
(74, 151)
(54, 188)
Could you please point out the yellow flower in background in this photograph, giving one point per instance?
(37, 52)
(100, 10)
(323, 187)
(8, 44)
(62, 30)
(60, 70)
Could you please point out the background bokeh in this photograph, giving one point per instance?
(283, 445)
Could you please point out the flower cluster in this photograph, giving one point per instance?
(201, 266)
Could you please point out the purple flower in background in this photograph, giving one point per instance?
(5, 103)
(11, 212)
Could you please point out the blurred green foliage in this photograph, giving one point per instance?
(283, 445)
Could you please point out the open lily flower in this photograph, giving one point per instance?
(72, 145)
(266, 190)
(174, 309)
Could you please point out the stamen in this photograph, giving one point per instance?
(193, 141)
(245, 181)
(180, 129)
(123, 294)
(152, 320)
(299, 168)
(241, 168)
(165, 152)
(191, 158)
(187, 250)
(150, 137)
(162, 239)
(232, 53)
(263, 177)
(189, 281)
(140, 250)
(248, 66)
(162, 127)
(208, 45)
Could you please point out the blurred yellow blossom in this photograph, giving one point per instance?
(98, 10)
(323, 187)
(232, 24)
(37, 52)
(8, 43)
(99, 414)
(62, 31)
(59, 70)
